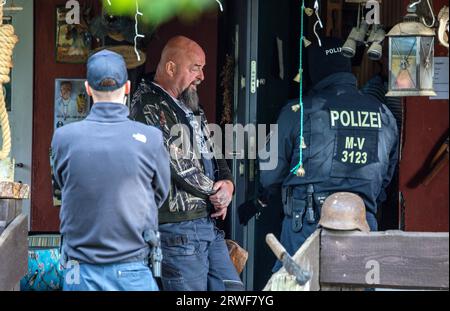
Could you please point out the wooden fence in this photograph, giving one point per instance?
(356, 260)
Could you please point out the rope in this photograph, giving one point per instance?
(7, 42)
(298, 169)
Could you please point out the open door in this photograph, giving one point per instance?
(266, 56)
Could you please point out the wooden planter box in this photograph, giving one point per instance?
(13, 235)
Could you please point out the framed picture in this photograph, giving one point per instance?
(73, 42)
(7, 87)
(72, 103)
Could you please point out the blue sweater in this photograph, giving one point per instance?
(114, 174)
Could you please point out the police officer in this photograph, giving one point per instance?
(350, 144)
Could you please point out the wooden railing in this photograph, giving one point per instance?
(356, 260)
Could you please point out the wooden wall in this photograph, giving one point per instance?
(426, 207)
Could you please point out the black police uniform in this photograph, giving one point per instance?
(351, 145)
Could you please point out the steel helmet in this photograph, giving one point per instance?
(344, 211)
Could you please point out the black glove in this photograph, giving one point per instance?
(249, 209)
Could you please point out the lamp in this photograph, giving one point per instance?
(411, 57)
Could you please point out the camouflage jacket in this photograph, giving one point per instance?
(190, 187)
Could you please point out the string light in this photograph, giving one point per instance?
(138, 35)
(298, 169)
(220, 5)
(136, 30)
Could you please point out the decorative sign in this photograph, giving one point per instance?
(440, 78)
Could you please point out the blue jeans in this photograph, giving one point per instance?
(133, 276)
(196, 258)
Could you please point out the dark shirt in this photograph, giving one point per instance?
(114, 175)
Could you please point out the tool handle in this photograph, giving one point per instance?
(275, 246)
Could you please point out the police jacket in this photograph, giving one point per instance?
(351, 143)
(190, 187)
(114, 175)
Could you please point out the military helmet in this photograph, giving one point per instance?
(344, 211)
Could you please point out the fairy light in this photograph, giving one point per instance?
(220, 5)
(136, 25)
(138, 35)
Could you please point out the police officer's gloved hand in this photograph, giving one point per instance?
(249, 209)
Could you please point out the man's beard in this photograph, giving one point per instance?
(189, 97)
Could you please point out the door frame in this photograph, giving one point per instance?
(245, 112)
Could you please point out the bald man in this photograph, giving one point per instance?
(194, 250)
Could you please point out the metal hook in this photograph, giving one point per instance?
(412, 5)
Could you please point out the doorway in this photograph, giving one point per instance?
(263, 38)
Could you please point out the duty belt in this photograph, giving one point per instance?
(296, 208)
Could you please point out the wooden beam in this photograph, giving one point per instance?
(13, 253)
(308, 258)
(9, 210)
(13, 190)
(404, 260)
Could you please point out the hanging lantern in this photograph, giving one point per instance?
(411, 57)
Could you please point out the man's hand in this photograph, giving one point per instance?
(222, 198)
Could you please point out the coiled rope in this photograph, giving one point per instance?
(7, 42)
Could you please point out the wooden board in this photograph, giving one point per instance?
(391, 259)
(7, 212)
(13, 253)
(308, 258)
(12, 190)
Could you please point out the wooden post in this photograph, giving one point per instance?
(13, 235)
(13, 253)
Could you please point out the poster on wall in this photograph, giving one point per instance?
(72, 104)
(73, 42)
(71, 101)
(7, 87)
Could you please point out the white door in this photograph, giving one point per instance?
(21, 92)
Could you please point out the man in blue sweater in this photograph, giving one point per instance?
(114, 175)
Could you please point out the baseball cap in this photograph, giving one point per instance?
(327, 59)
(106, 65)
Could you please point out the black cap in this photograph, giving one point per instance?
(327, 59)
